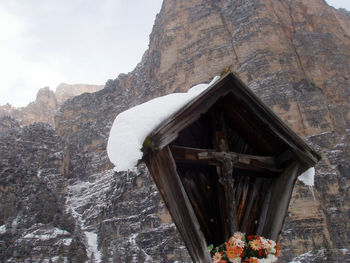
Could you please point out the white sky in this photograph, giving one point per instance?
(46, 42)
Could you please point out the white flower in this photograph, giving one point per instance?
(271, 257)
(273, 243)
(265, 243)
(239, 243)
(239, 235)
(271, 250)
(235, 260)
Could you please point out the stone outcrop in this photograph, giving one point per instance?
(46, 104)
(66, 91)
(293, 54)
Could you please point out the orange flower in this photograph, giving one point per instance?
(253, 260)
(278, 249)
(229, 245)
(234, 252)
(255, 244)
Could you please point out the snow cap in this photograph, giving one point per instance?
(131, 127)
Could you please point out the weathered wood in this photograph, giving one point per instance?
(202, 187)
(264, 209)
(285, 158)
(249, 211)
(212, 157)
(229, 209)
(250, 128)
(242, 200)
(224, 170)
(281, 194)
(275, 124)
(192, 193)
(163, 170)
(167, 132)
(227, 139)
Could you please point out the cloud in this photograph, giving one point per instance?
(44, 43)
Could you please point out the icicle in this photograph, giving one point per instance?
(311, 188)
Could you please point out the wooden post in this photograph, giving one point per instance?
(163, 169)
(225, 175)
(280, 197)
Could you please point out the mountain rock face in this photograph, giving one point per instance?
(46, 104)
(66, 91)
(293, 54)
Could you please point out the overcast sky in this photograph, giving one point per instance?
(46, 42)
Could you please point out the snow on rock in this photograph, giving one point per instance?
(131, 127)
(308, 177)
(2, 229)
(44, 232)
(92, 245)
(323, 255)
(84, 200)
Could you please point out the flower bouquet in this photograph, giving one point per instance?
(239, 249)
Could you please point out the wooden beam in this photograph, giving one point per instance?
(285, 158)
(163, 169)
(279, 201)
(228, 202)
(168, 131)
(211, 157)
(264, 209)
(305, 153)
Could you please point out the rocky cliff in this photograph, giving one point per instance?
(46, 104)
(293, 54)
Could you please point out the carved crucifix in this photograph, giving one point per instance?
(225, 162)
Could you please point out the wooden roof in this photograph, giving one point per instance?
(225, 162)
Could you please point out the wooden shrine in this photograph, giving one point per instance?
(224, 163)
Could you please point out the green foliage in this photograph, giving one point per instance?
(147, 145)
(225, 71)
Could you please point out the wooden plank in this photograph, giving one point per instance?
(163, 169)
(251, 208)
(242, 200)
(274, 123)
(281, 194)
(212, 157)
(264, 207)
(196, 203)
(168, 131)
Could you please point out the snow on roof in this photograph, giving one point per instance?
(131, 127)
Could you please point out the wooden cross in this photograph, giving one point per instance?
(225, 162)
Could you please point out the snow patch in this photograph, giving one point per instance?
(92, 243)
(65, 241)
(2, 229)
(46, 235)
(308, 177)
(131, 127)
(84, 201)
